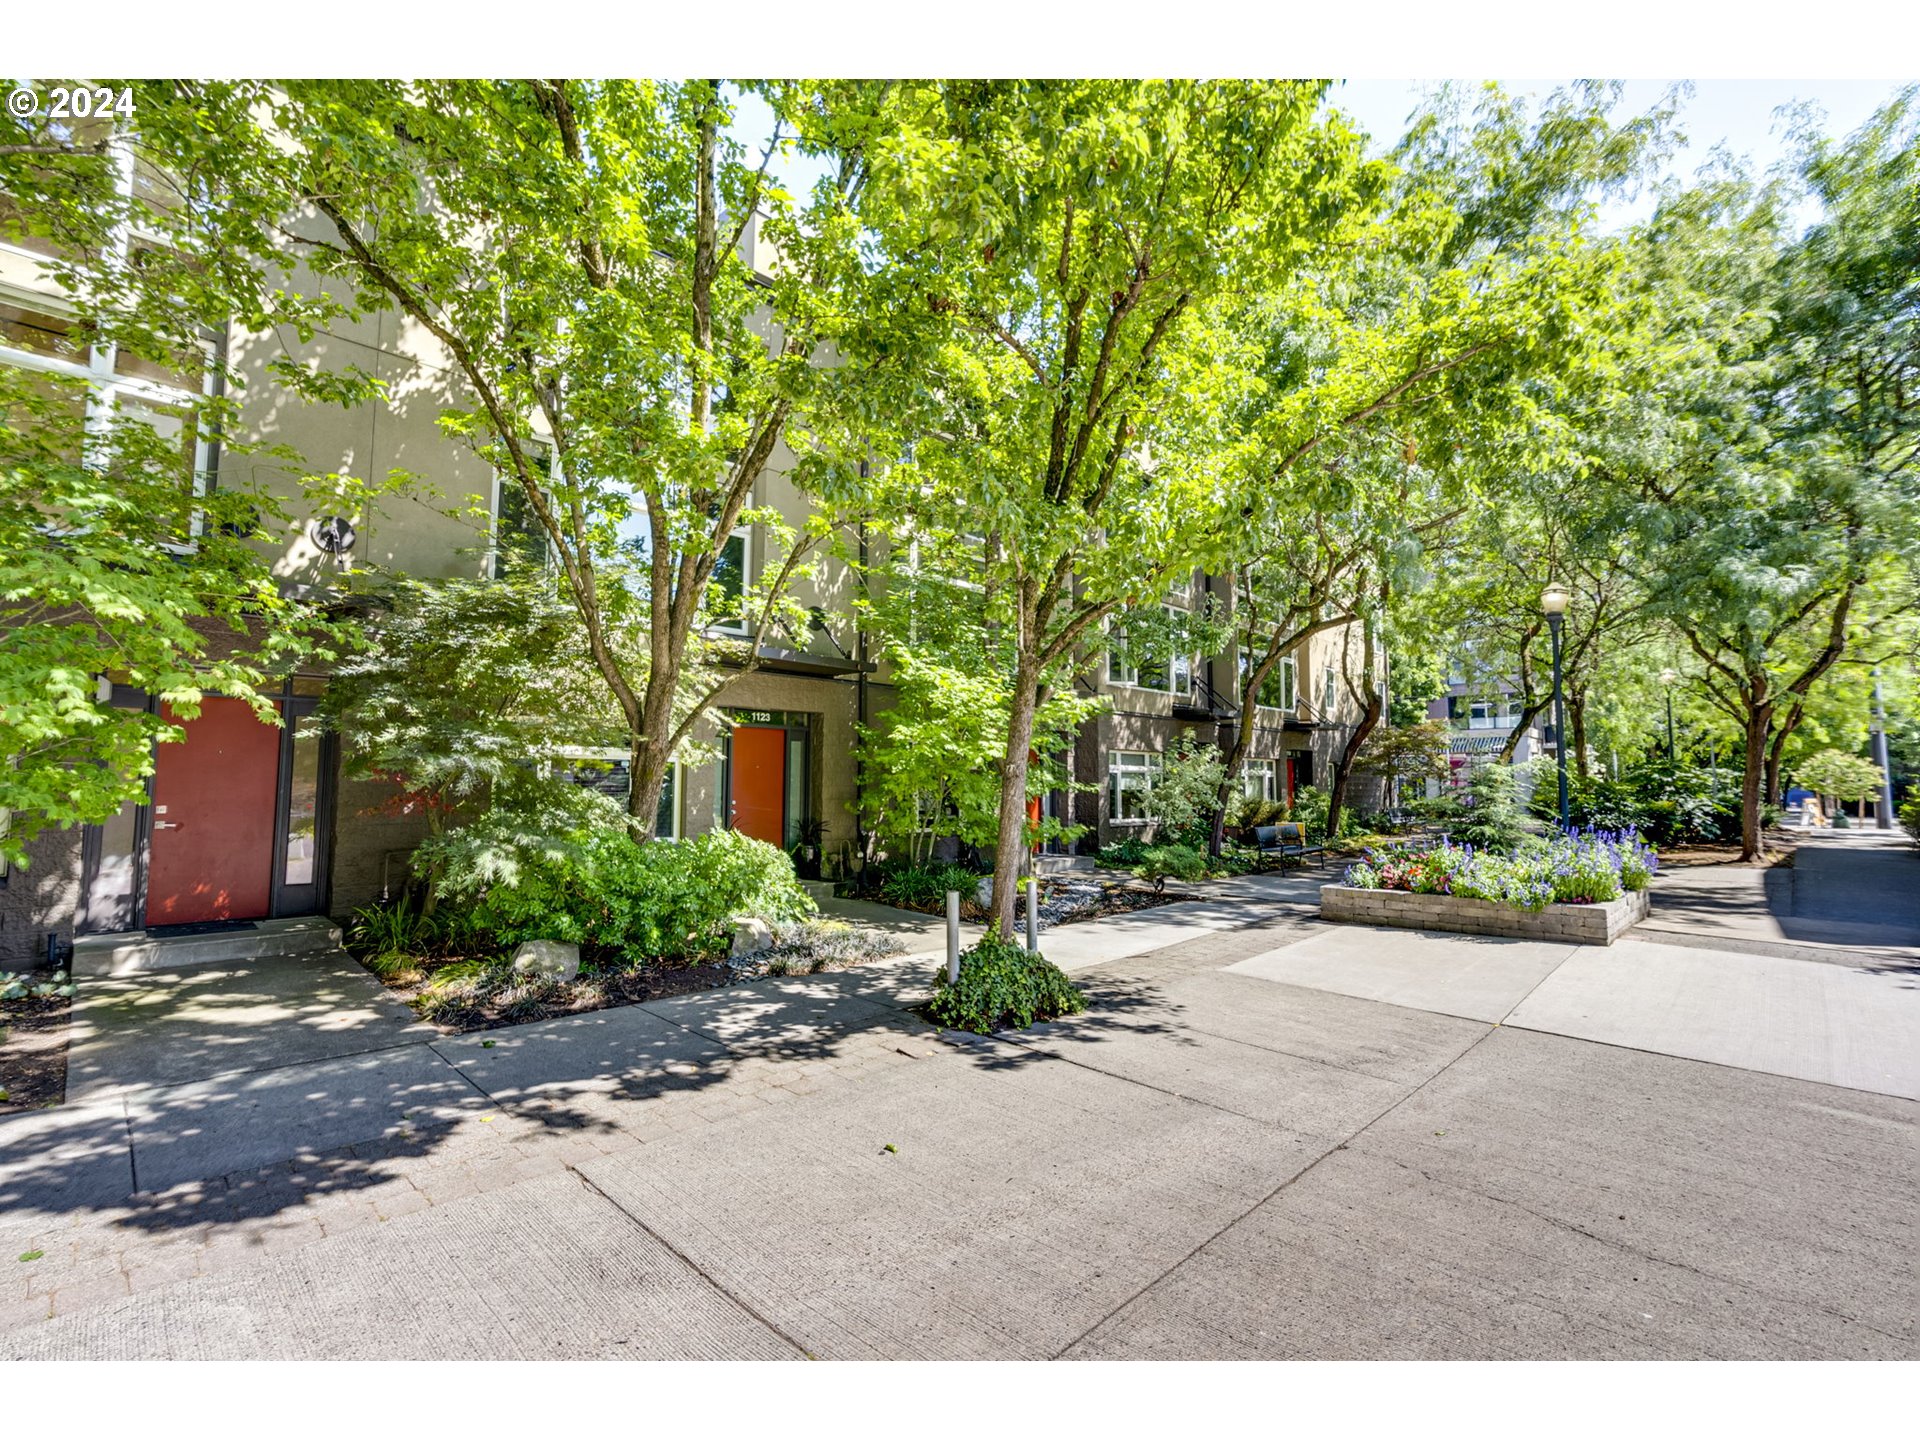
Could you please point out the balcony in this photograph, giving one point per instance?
(1200, 701)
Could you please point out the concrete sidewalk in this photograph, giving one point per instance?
(1268, 1140)
(1851, 890)
(1207, 1164)
(1856, 1026)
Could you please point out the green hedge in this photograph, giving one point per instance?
(598, 888)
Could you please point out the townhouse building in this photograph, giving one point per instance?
(1481, 712)
(247, 821)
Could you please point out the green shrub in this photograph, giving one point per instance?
(1909, 814)
(1124, 854)
(1490, 815)
(391, 938)
(913, 886)
(1002, 986)
(1159, 863)
(24, 987)
(475, 990)
(1669, 803)
(597, 888)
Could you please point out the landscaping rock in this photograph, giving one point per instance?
(750, 935)
(546, 959)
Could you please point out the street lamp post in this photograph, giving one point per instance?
(1883, 802)
(1554, 602)
(1667, 677)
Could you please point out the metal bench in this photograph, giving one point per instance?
(1286, 842)
(1294, 845)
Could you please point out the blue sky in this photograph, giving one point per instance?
(1742, 115)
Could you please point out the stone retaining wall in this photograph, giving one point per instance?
(1578, 924)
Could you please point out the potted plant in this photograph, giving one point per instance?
(809, 836)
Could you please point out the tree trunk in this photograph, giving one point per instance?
(1527, 717)
(1777, 749)
(1234, 757)
(1343, 766)
(1753, 776)
(1011, 841)
(650, 743)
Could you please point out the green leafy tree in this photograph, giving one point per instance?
(1407, 754)
(1072, 235)
(635, 320)
(1397, 377)
(1839, 775)
(118, 562)
(464, 695)
(1186, 790)
(1772, 453)
(931, 768)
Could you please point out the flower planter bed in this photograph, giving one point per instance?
(1600, 923)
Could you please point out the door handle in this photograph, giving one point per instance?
(166, 824)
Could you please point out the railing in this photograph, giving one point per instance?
(1201, 695)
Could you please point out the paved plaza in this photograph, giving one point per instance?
(1267, 1138)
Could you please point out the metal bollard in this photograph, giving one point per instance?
(953, 937)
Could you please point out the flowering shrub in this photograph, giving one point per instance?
(1580, 867)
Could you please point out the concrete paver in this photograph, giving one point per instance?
(1477, 977)
(56, 1161)
(173, 1026)
(1022, 1200)
(547, 1270)
(1547, 1198)
(190, 1132)
(1258, 1142)
(1836, 1024)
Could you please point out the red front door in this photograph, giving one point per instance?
(213, 799)
(759, 766)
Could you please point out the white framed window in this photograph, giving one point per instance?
(119, 384)
(1278, 690)
(1330, 692)
(1260, 779)
(1130, 776)
(731, 574)
(1150, 671)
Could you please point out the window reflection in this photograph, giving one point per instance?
(303, 803)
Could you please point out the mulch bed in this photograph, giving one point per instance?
(594, 990)
(33, 1053)
(1778, 845)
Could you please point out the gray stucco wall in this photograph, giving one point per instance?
(39, 898)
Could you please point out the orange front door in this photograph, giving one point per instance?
(213, 799)
(759, 766)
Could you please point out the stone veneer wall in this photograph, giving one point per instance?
(1578, 924)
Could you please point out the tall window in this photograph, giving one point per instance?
(730, 576)
(1331, 694)
(518, 536)
(1130, 775)
(1259, 779)
(1277, 690)
(1150, 668)
(607, 771)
